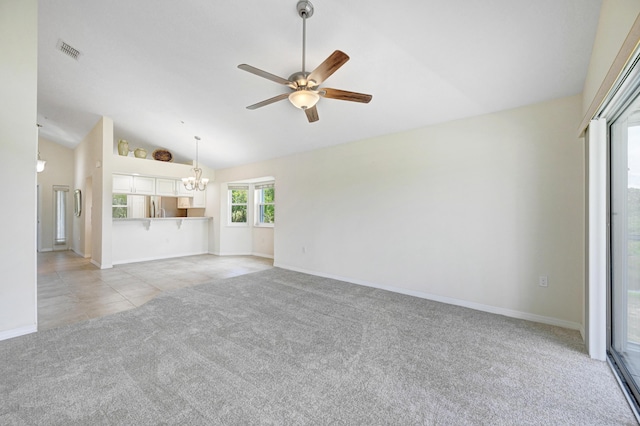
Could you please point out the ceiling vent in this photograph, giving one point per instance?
(68, 50)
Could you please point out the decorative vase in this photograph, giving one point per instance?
(140, 153)
(123, 147)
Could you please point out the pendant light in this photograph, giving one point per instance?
(195, 182)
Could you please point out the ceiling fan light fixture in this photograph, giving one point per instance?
(304, 99)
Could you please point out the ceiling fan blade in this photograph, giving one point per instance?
(328, 67)
(312, 114)
(264, 74)
(344, 95)
(269, 101)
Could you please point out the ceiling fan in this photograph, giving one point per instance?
(306, 92)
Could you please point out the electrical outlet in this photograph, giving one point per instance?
(543, 281)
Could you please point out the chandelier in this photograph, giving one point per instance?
(196, 182)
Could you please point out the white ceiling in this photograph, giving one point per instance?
(151, 65)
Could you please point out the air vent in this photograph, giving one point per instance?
(68, 50)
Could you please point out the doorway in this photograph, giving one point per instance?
(61, 217)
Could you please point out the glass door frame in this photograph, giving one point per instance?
(616, 262)
(622, 95)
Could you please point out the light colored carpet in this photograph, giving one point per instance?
(280, 347)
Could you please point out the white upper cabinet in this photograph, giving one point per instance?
(166, 187)
(144, 185)
(126, 184)
(122, 184)
(182, 191)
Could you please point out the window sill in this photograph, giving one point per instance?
(237, 225)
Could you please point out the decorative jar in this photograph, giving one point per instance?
(140, 153)
(123, 147)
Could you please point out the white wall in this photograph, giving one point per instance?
(58, 171)
(148, 167)
(89, 169)
(471, 212)
(84, 165)
(18, 144)
(262, 244)
(616, 19)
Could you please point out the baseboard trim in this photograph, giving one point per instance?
(448, 300)
(83, 255)
(20, 331)
(100, 265)
(45, 250)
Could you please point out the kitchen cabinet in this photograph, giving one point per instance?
(122, 184)
(140, 185)
(182, 191)
(144, 185)
(197, 200)
(166, 187)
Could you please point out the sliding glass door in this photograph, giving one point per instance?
(624, 297)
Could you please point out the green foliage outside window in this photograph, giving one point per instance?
(238, 196)
(119, 206)
(267, 211)
(239, 214)
(239, 206)
(268, 195)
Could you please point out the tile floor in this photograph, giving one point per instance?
(71, 289)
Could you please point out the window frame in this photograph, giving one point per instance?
(230, 189)
(259, 204)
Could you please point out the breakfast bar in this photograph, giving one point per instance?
(142, 239)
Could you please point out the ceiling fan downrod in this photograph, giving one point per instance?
(305, 10)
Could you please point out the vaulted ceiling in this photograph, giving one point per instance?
(166, 70)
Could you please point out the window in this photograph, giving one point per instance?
(238, 203)
(265, 204)
(119, 206)
(60, 200)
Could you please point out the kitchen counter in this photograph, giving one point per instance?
(138, 219)
(151, 238)
(147, 221)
